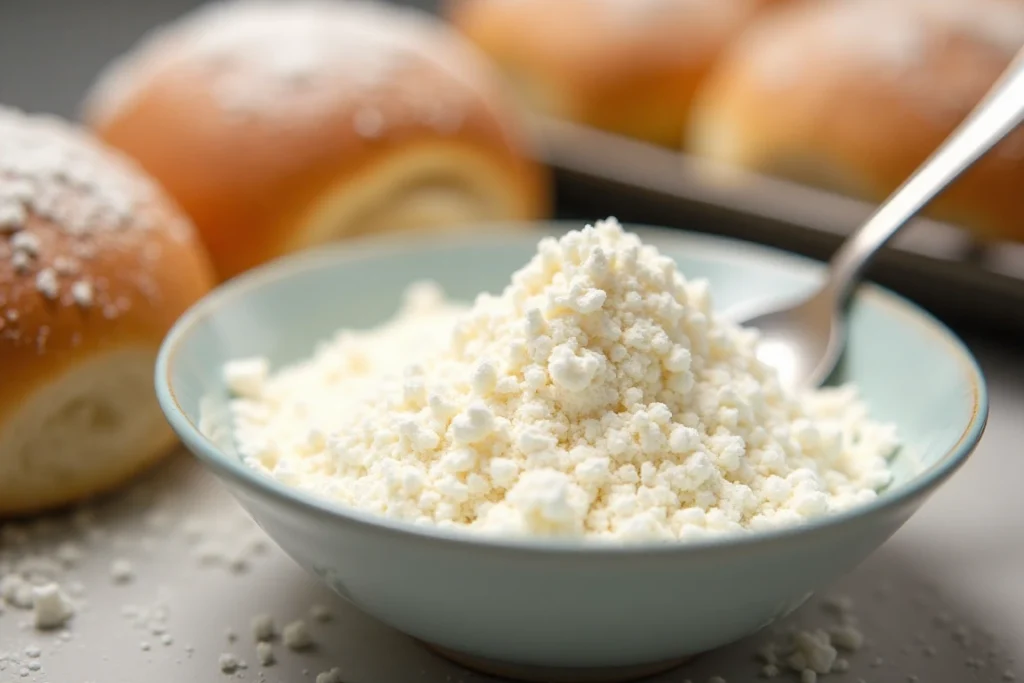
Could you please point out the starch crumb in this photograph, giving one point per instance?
(264, 653)
(246, 377)
(334, 676)
(122, 571)
(51, 608)
(847, 637)
(228, 663)
(262, 627)
(320, 613)
(296, 636)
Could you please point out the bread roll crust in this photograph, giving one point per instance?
(247, 145)
(853, 96)
(628, 67)
(94, 261)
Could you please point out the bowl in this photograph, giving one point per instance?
(560, 610)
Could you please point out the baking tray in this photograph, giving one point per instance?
(937, 265)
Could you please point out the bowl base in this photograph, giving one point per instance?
(547, 674)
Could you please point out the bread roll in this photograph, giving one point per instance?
(625, 66)
(279, 126)
(853, 95)
(95, 266)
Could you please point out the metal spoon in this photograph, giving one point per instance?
(805, 339)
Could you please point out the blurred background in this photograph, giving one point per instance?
(699, 116)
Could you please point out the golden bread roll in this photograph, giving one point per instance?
(625, 66)
(853, 95)
(96, 264)
(279, 126)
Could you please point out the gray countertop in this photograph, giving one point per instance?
(942, 601)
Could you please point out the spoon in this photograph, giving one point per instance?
(804, 340)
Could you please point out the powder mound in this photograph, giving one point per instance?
(597, 395)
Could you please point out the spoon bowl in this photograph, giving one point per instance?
(802, 340)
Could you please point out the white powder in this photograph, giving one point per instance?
(262, 626)
(330, 676)
(63, 199)
(122, 571)
(847, 637)
(320, 612)
(228, 663)
(51, 608)
(812, 651)
(265, 653)
(16, 591)
(296, 636)
(597, 396)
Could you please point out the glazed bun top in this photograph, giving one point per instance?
(953, 42)
(853, 95)
(272, 59)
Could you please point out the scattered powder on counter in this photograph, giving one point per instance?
(597, 396)
(69, 554)
(265, 653)
(296, 636)
(846, 637)
(228, 663)
(331, 676)
(16, 591)
(51, 607)
(320, 613)
(812, 650)
(122, 571)
(262, 626)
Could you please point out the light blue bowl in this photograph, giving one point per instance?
(538, 609)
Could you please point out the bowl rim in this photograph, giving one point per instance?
(720, 248)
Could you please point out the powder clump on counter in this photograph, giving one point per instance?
(51, 607)
(597, 396)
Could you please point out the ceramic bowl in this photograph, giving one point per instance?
(557, 610)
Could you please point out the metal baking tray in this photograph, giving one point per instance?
(937, 265)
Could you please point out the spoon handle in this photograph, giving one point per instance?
(998, 113)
